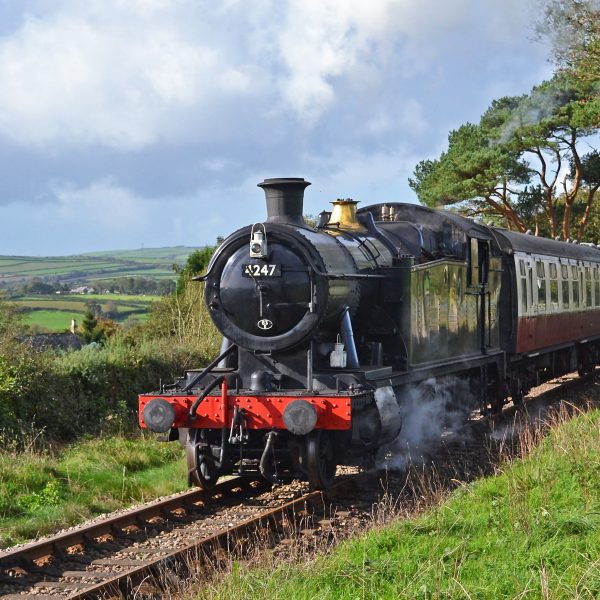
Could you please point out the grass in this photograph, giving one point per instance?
(532, 531)
(52, 320)
(41, 493)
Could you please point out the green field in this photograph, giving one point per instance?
(54, 312)
(94, 267)
(52, 320)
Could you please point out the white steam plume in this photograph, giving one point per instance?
(429, 410)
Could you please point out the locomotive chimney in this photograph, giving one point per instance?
(285, 198)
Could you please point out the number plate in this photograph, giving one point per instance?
(261, 270)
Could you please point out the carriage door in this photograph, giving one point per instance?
(478, 276)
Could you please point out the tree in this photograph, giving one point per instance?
(573, 27)
(474, 170)
(112, 310)
(37, 286)
(512, 164)
(94, 308)
(88, 330)
(10, 319)
(96, 329)
(590, 176)
(105, 329)
(184, 317)
(196, 263)
(552, 121)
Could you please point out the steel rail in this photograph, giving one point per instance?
(22, 567)
(126, 582)
(133, 571)
(85, 533)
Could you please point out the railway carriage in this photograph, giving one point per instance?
(328, 329)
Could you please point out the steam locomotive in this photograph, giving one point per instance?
(326, 328)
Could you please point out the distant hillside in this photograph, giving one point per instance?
(93, 267)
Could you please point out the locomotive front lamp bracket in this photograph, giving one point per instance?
(258, 241)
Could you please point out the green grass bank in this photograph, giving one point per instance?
(42, 492)
(532, 531)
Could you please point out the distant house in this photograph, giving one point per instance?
(84, 289)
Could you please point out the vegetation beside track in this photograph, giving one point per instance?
(531, 531)
(43, 492)
(70, 444)
(62, 396)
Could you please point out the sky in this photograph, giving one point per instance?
(130, 123)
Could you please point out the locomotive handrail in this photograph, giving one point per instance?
(351, 275)
(311, 263)
(318, 272)
(209, 367)
(200, 398)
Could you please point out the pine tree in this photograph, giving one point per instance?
(89, 331)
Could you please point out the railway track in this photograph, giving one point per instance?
(119, 556)
(111, 557)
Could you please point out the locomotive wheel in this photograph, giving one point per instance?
(202, 471)
(320, 459)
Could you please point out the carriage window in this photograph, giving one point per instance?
(523, 272)
(597, 285)
(553, 285)
(524, 293)
(565, 285)
(575, 274)
(523, 286)
(541, 283)
(588, 286)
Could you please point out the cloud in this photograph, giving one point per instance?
(164, 114)
(103, 203)
(99, 76)
(105, 214)
(324, 42)
(130, 74)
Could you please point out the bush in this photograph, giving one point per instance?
(184, 317)
(67, 395)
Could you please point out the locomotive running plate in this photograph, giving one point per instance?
(258, 270)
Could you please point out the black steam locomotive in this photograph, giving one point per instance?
(327, 328)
